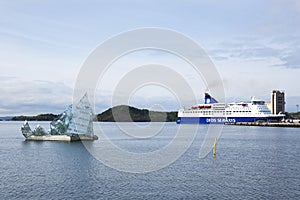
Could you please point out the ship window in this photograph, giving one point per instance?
(258, 102)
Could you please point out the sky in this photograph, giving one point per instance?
(255, 46)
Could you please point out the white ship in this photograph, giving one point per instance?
(213, 112)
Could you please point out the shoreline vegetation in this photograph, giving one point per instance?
(117, 113)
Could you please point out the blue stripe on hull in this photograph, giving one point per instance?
(216, 120)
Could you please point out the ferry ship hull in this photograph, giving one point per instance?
(219, 120)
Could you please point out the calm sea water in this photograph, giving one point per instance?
(252, 163)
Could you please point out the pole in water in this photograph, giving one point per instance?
(215, 148)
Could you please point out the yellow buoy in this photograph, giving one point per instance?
(215, 147)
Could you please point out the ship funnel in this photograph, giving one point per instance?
(209, 99)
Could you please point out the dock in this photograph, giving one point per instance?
(269, 124)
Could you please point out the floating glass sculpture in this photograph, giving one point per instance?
(76, 121)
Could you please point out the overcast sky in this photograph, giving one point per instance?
(255, 46)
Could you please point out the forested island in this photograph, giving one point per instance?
(117, 113)
(40, 117)
(120, 113)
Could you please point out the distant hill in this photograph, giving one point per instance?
(120, 114)
(7, 118)
(40, 117)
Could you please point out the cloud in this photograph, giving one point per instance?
(32, 97)
(291, 60)
(245, 51)
(283, 49)
(254, 52)
(290, 54)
